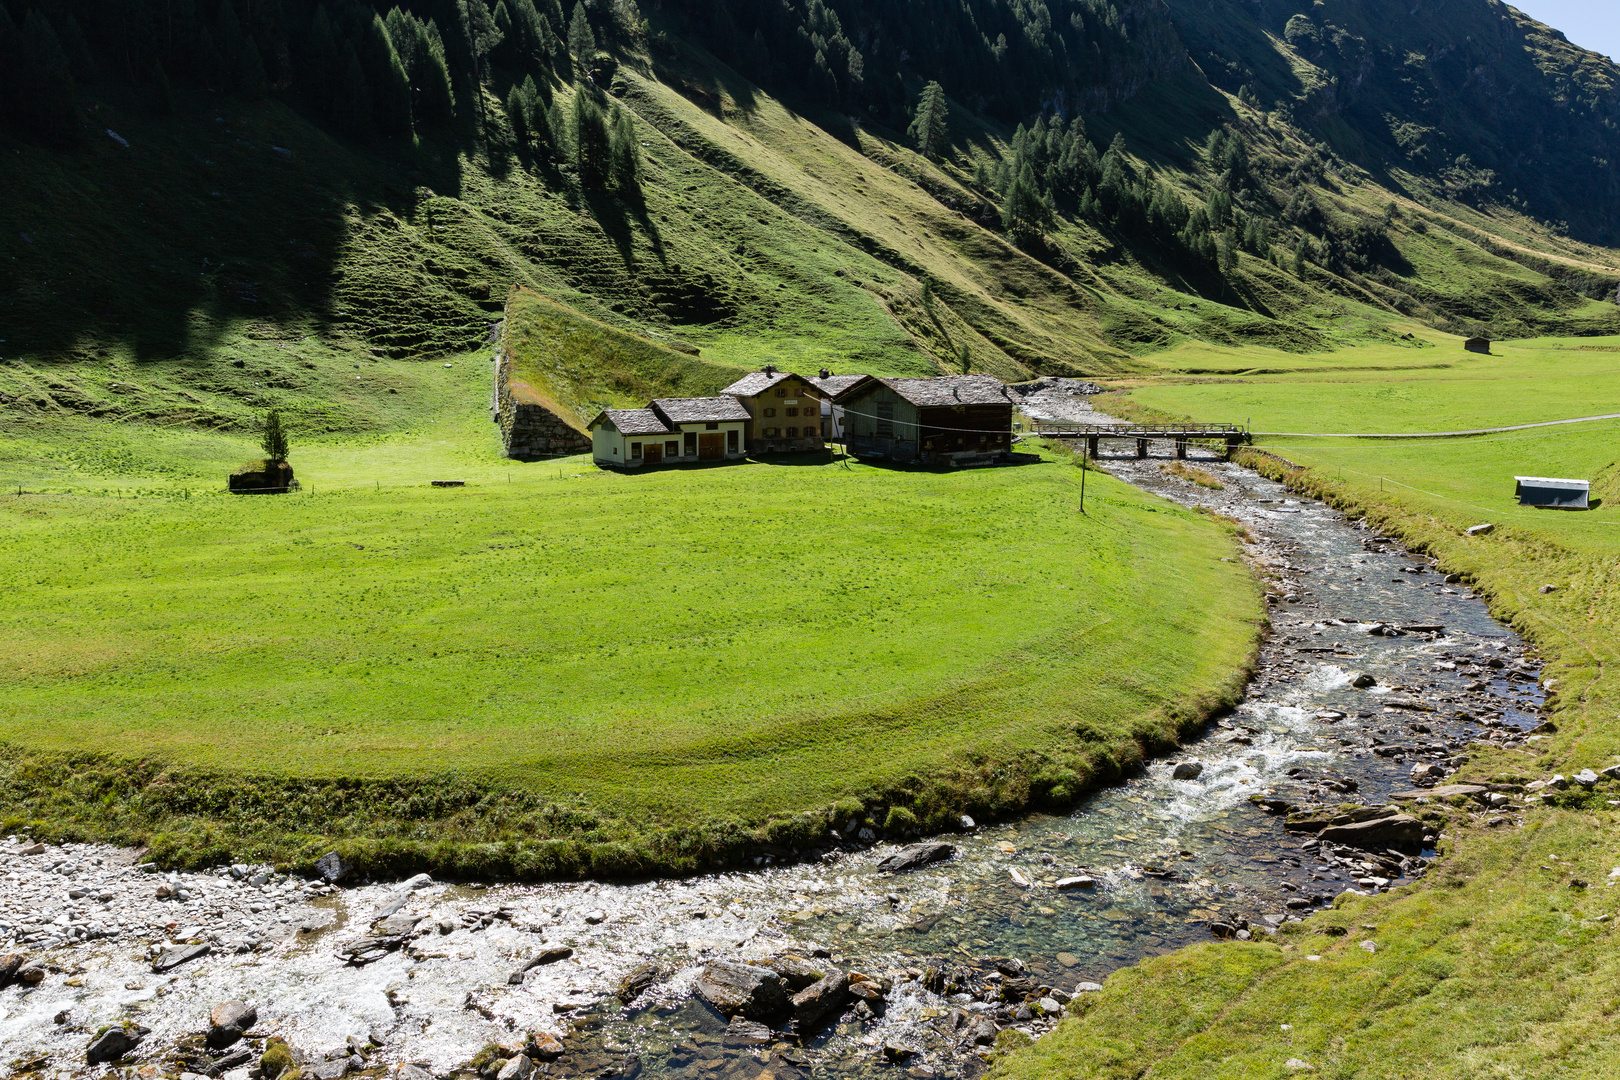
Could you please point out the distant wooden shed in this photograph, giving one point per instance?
(1550, 491)
(1478, 344)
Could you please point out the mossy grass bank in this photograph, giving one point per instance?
(575, 671)
(1502, 960)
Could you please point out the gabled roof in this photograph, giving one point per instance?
(833, 385)
(937, 391)
(632, 422)
(692, 410)
(1554, 482)
(757, 382)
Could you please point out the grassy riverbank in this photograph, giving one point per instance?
(1495, 964)
(557, 669)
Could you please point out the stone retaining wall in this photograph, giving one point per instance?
(531, 427)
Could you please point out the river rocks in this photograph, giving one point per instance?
(170, 959)
(9, 966)
(820, 1002)
(227, 1022)
(1361, 680)
(516, 1068)
(1481, 530)
(741, 1032)
(115, 1043)
(331, 868)
(544, 1046)
(746, 990)
(595, 916)
(400, 896)
(32, 849)
(1398, 832)
(545, 956)
(412, 1072)
(797, 972)
(1079, 881)
(913, 856)
(639, 981)
(1187, 770)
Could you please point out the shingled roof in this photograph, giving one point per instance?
(633, 422)
(941, 390)
(693, 410)
(756, 382)
(833, 385)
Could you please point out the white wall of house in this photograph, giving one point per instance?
(609, 446)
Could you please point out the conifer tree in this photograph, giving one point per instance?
(351, 106)
(535, 118)
(626, 153)
(581, 40)
(930, 125)
(592, 149)
(323, 63)
(1299, 259)
(44, 80)
(482, 37)
(250, 80)
(390, 85)
(1026, 215)
(273, 440)
(517, 114)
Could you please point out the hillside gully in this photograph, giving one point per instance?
(1375, 678)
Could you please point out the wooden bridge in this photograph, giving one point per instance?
(1228, 435)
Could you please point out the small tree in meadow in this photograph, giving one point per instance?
(274, 439)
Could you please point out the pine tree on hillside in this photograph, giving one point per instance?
(351, 105)
(43, 80)
(592, 146)
(322, 62)
(1026, 216)
(390, 85)
(250, 79)
(930, 126)
(626, 153)
(581, 40)
(482, 37)
(517, 114)
(538, 122)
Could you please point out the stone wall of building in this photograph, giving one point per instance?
(532, 426)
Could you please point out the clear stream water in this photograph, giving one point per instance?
(437, 1002)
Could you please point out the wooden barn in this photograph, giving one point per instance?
(1478, 344)
(947, 420)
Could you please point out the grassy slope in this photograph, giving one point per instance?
(1493, 965)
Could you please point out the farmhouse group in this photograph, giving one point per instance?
(950, 420)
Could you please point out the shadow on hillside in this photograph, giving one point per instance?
(161, 239)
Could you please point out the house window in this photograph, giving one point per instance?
(691, 443)
(635, 450)
(711, 426)
(770, 431)
(792, 411)
(672, 449)
(793, 433)
(770, 412)
(731, 441)
(781, 391)
(615, 451)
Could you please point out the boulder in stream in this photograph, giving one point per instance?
(820, 1002)
(115, 1043)
(227, 1022)
(913, 856)
(1398, 832)
(1187, 770)
(746, 990)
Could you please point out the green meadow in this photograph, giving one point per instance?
(1496, 964)
(660, 666)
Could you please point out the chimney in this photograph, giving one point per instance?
(825, 373)
(769, 369)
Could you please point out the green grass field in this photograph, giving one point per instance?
(1492, 966)
(682, 651)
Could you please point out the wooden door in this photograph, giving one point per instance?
(653, 453)
(711, 447)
